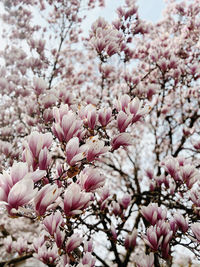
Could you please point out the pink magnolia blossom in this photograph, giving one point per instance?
(18, 172)
(135, 109)
(116, 209)
(88, 246)
(130, 240)
(149, 173)
(122, 103)
(39, 85)
(196, 230)
(16, 189)
(162, 227)
(88, 260)
(38, 242)
(73, 242)
(181, 222)
(47, 255)
(104, 196)
(91, 119)
(53, 221)
(46, 196)
(59, 237)
(74, 152)
(125, 201)
(48, 100)
(99, 23)
(36, 151)
(173, 225)
(5, 148)
(44, 159)
(123, 121)
(66, 97)
(165, 248)
(113, 232)
(75, 200)
(20, 245)
(196, 144)
(106, 40)
(172, 167)
(21, 193)
(152, 213)
(122, 139)
(159, 237)
(8, 243)
(190, 175)
(37, 141)
(112, 48)
(59, 113)
(90, 180)
(195, 197)
(55, 87)
(95, 148)
(99, 45)
(145, 260)
(152, 239)
(89, 116)
(66, 125)
(105, 116)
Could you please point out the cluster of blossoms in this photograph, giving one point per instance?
(162, 231)
(99, 161)
(31, 188)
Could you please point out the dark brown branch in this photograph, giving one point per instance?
(15, 260)
(183, 139)
(100, 259)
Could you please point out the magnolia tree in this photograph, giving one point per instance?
(99, 135)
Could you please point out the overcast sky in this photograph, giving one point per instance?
(148, 9)
(151, 9)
